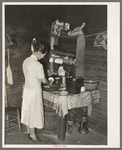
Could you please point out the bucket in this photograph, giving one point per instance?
(50, 121)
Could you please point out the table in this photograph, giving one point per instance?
(63, 103)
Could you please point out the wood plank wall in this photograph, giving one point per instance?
(17, 56)
(96, 68)
(94, 16)
(95, 59)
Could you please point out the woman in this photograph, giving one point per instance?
(32, 104)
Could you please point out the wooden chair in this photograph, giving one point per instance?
(12, 118)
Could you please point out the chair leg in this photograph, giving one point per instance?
(7, 118)
(18, 116)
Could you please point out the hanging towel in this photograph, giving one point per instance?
(5, 95)
(9, 72)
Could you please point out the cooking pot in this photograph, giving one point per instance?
(73, 84)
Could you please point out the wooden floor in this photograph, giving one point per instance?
(75, 138)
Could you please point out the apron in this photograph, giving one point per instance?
(32, 104)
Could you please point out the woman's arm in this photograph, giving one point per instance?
(44, 80)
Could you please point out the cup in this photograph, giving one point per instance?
(63, 79)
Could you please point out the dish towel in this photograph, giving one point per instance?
(9, 72)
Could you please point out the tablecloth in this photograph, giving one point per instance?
(63, 103)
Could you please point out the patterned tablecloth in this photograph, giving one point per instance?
(62, 103)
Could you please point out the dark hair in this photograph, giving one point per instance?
(39, 46)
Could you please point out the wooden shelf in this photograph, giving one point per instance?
(62, 53)
(64, 36)
(79, 51)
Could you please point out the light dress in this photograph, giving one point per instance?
(32, 105)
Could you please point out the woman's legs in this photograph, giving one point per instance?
(31, 131)
(28, 129)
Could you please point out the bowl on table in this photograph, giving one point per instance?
(90, 85)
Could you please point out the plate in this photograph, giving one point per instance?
(62, 89)
(46, 86)
(63, 93)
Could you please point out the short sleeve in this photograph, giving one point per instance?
(40, 71)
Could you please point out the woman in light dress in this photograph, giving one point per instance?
(32, 114)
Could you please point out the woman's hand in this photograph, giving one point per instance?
(50, 83)
(45, 81)
(51, 80)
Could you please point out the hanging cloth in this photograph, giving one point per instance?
(9, 72)
(5, 95)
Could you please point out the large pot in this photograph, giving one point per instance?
(74, 84)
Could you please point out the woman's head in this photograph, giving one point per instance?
(38, 48)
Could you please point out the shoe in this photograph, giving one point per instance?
(27, 134)
(32, 140)
(36, 140)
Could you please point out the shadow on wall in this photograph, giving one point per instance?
(45, 60)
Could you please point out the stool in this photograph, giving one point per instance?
(12, 118)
